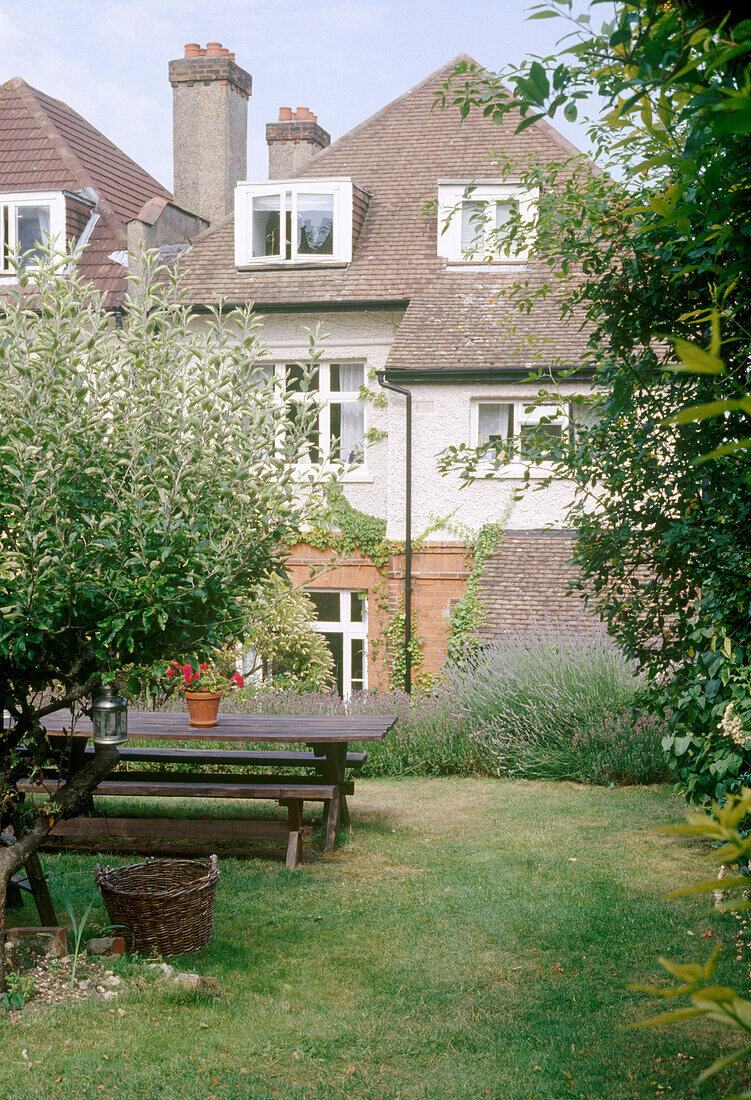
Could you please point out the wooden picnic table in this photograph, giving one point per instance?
(320, 775)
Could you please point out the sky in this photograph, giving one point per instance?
(344, 59)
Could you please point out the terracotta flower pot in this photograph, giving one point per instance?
(203, 707)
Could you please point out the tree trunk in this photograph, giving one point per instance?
(68, 801)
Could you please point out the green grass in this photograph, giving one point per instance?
(470, 938)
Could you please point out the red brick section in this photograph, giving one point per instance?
(523, 585)
(439, 574)
(298, 126)
(46, 146)
(398, 156)
(205, 66)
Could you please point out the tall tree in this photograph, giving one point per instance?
(150, 477)
(653, 256)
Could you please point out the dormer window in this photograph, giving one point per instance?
(293, 223)
(472, 218)
(28, 220)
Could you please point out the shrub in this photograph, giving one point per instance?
(559, 706)
(431, 736)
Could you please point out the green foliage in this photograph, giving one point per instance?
(709, 759)
(279, 630)
(20, 987)
(558, 706)
(346, 530)
(78, 927)
(396, 650)
(467, 614)
(148, 479)
(727, 829)
(656, 246)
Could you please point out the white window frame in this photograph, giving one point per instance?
(325, 397)
(525, 413)
(451, 194)
(14, 200)
(349, 630)
(339, 188)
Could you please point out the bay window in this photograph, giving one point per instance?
(292, 222)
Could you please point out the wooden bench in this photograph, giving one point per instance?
(153, 835)
(234, 757)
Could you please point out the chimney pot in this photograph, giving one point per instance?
(231, 56)
(290, 147)
(192, 49)
(213, 49)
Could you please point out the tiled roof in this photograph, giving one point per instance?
(399, 155)
(45, 146)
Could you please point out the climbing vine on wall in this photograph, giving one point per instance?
(467, 614)
(353, 531)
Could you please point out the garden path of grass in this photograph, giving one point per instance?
(471, 939)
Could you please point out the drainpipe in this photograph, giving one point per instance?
(381, 376)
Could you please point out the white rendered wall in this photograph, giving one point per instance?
(442, 416)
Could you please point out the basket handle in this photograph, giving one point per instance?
(214, 867)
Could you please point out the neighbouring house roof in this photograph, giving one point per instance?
(398, 156)
(45, 145)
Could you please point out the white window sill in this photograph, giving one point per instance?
(358, 477)
(268, 263)
(468, 267)
(515, 471)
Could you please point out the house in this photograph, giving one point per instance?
(414, 356)
(335, 234)
(61, 179)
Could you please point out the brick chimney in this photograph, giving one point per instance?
(210, 128)
(292, 141)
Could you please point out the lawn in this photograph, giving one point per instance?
(471, 938)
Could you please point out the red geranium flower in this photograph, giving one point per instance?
(237, 680)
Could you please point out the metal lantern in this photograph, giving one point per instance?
(110, 717)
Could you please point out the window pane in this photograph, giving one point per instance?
(32, 229)
(503, 213)
(357, 607)
(473, 219)
(336, 645)
(538, 440)
(347, 377)
(357, 681)
(327, 605)
(301, 379)
(494, 422)
(347, 430)
(265, 227)
(315, 224)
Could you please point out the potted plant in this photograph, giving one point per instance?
(204, 685)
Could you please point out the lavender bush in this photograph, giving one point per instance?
(559, 706)
(431, 736)
(542, 706)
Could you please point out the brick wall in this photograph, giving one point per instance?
(439, 575)
(523, 585)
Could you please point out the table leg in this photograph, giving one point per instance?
(294, 844)
(336, 759)
(332, 820)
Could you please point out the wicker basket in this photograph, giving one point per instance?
(167, 905)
